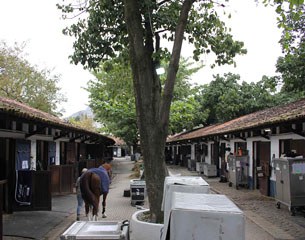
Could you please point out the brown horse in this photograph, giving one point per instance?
(94, 183)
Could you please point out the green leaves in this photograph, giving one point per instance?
(226, 98)
(23, 82)
(101, 32)
(113, 102)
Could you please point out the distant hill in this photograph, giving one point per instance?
(87, 111)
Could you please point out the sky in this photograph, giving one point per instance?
(39, 24)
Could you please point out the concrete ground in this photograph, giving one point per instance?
(263, 220)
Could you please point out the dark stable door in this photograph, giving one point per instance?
(264, 164)
(23, 191)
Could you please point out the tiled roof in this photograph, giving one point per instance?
(279, 114)
(21, 110)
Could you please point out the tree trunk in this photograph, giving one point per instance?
(152, 113)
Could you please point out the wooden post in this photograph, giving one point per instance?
(2, 182)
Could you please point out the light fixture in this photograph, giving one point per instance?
(267, 130)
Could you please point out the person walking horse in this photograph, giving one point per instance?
(94, 183)
(79, 197)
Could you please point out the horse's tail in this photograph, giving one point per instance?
(85, 188)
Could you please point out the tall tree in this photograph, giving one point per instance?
(292, 65)
(112, 100)
(23, 82)
(225, 98)
(138, 25)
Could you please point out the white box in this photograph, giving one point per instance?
(204, 217)
(209, 170)
(105, 230)
(185, 184)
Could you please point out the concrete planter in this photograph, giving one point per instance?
(139, 230)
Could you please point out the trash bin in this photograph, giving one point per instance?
(97, 230)
(137, 191)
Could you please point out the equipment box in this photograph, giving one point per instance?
(290, 183)
(137, 191)
(97, 230)
(238, 170)
(209, 170)
(205, 217)
(184, 184)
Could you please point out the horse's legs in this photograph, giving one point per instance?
(86, 209)
(95, 208)
(104, 205)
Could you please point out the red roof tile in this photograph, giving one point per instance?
(22, 110)
(278, 114)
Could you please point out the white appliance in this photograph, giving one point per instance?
(204, 217)
(185, 184)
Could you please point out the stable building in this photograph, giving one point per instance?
(42, 155)
(260, 137)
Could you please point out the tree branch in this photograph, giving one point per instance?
(157, 37)
(161, 31)
(174, 64)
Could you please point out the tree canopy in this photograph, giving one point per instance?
(205, 31)
(225, 98)
(292, 65)
(112, 99)
(23, 82)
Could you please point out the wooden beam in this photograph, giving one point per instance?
(265, 136)
(77, 137)
(224, 138)
(40, 130)
(61, 135)
(85, 139)
(242, 138)
(298, 132)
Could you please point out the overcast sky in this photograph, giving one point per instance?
(38, 23)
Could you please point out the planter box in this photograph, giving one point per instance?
(140, 230)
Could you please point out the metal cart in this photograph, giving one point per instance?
(290, 183)
(238, 171)
(137, 191)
